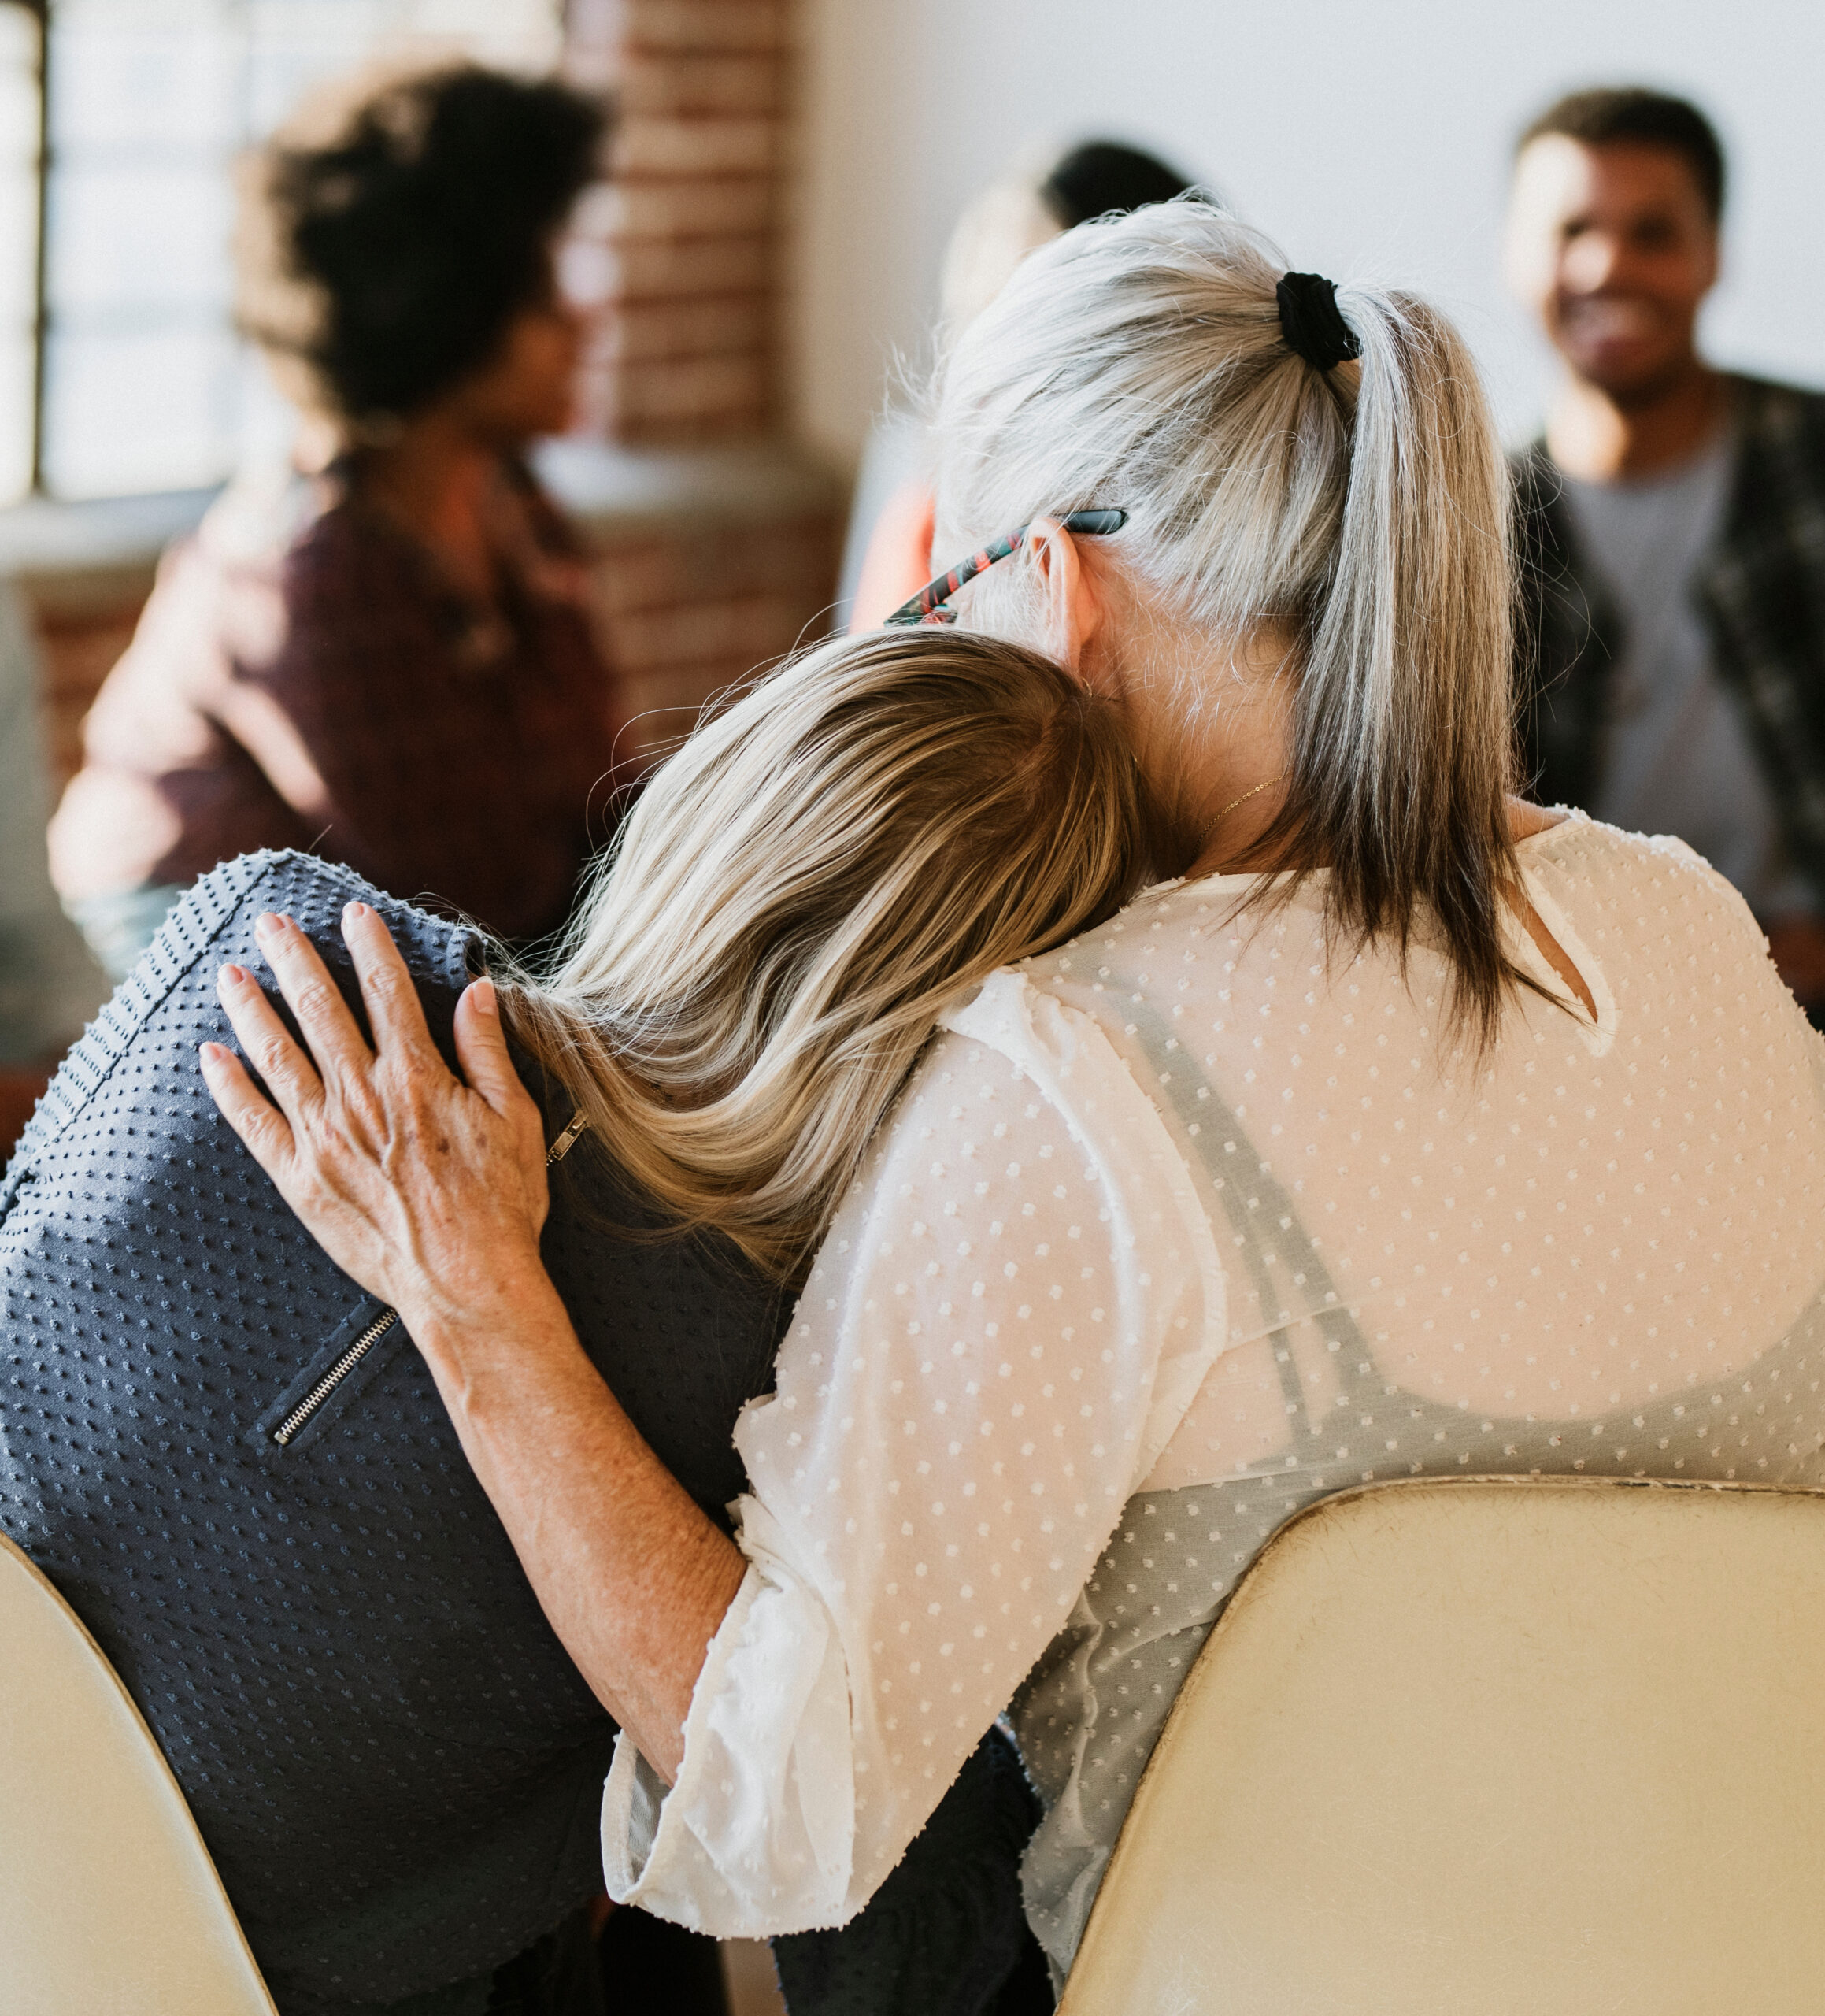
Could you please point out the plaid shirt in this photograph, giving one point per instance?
(306, 675)
(1760, 592)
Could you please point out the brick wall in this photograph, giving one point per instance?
(688, 237)
(688, 616)
(83, 624)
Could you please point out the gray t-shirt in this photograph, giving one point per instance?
(1677, 760)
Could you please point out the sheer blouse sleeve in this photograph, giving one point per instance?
(1012, 1309)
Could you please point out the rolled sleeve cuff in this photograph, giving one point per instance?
(756, 1837)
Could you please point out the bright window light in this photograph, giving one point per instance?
(120, 369)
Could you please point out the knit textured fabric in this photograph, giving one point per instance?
(394, 1762)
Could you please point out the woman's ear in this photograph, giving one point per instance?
(1072, 604)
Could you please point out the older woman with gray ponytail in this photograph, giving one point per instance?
(1413, 1130)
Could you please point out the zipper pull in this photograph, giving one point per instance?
(567, 1140)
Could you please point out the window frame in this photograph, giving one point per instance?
(396, 32)
(39, 12)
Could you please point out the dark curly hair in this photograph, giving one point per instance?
(386, 249)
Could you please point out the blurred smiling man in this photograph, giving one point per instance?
(1672, 523)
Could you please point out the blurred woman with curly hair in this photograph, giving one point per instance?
(388, 659)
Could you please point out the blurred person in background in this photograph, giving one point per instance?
(887, 553)
(49, 985)
(387, 658)
(1672, 668)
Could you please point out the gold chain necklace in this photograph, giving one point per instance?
(1246, 795)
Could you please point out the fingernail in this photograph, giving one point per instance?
(355, 910)
(484, 994)
(264, 924)
(234, 976)
(213, 1053)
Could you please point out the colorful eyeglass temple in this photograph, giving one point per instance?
(928, 605)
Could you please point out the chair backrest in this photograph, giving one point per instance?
(1490, 1745)
(110, 1905)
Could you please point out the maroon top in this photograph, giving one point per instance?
(305, 676)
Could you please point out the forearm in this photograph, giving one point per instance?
(633, 1578)
(430, 1193)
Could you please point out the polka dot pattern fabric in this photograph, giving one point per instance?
(391, 1758)
(989, 1472)
(1601, 1255)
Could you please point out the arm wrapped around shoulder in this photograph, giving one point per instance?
(1012, 1309)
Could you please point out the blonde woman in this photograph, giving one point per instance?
(1414, 1130)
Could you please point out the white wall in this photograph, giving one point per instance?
(1369, 138)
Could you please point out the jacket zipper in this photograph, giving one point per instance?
(308, 1406)
(335, 1376)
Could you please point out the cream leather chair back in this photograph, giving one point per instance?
(110, 1905)
(1487, 1746)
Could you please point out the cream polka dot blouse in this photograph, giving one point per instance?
(1175, 1230)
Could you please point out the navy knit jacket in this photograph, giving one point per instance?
(391, 1758)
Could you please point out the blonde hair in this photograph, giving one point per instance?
(802, 889)
(1139, 362)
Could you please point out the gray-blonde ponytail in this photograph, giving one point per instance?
(1403, 755)
(1141, 363)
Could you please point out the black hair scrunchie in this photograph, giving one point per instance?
(1310, 323)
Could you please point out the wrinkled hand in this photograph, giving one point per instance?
(431, 1192)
